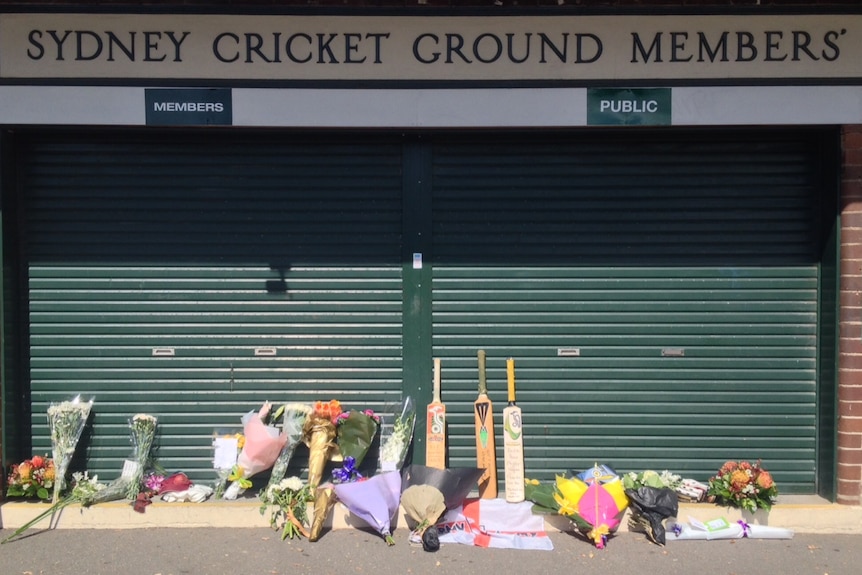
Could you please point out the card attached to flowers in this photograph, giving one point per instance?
(225, 451)
(712, 526)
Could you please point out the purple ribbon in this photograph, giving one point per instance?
(746, 528)
(348, 473)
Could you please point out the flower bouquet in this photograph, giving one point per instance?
(263, 444)
(295, 415)
(227, 445)
(594, 501)
(355, 432)
(319, 434)
(32, 478)
(143, 432)
(84, 487)
(743, 485)
(425, 505)
(395, 439)
(66, 422)
(374, 500)
(653, 499)
(429, 492)
(290, 498)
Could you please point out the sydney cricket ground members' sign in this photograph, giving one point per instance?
(563, 48)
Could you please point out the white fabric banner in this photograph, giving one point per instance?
(495, 523)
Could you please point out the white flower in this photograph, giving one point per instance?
(144, 417)
(292, 483)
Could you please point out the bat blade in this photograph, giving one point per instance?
(435, 435)
(486, 454)
(513, 442)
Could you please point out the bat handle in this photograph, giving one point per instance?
(436, 380)
(510, 373)
(483, 383)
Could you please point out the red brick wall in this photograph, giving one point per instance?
(850, 346)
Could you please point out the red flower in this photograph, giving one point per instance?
(37, 462)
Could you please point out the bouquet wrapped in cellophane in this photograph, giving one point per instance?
(295, 416)
(395, 439)
(143, 434)
(263, 443)
(66, 421)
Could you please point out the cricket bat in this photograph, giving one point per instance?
(486, 454)
(435, 433)
(513, 442)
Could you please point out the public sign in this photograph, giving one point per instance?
(629, 107)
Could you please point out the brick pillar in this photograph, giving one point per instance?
(850, 346)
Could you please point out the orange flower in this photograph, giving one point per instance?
(49, 473)
(24, 471)
(764, 480)
(728, 467)
(739, 479)
(330, 410)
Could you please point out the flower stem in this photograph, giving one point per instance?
(50, 511)
(299, 526)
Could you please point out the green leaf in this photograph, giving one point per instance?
(42, 493)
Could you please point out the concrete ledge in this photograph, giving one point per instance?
(803, 514)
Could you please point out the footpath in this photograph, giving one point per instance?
(800, 513)
(233, 538)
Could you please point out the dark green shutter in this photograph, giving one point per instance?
(657, 290)
(658, 293)
(222, 251)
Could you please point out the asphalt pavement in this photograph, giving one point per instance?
(260, 551)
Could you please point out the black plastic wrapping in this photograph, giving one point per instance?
(650, 506)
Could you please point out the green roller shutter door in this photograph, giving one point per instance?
(659, 295)
(196, 277)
